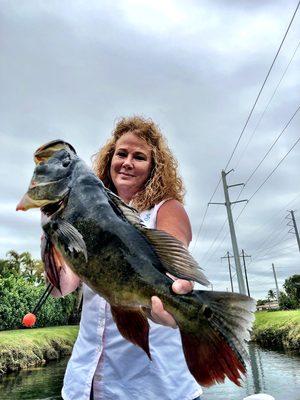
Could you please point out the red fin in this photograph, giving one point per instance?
(52, 261)
(210, 359)
(133, 326)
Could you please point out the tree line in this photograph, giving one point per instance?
(289, 299)
(22, 283)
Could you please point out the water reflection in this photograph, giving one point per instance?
(270, 372)
(274, 373)
(35, 384)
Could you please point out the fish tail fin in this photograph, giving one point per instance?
(214, 340)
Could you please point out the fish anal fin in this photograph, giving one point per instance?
(210, 359)
(133, 326)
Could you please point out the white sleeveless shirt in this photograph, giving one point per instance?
(118, 369)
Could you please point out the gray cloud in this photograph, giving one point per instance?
(68, 70)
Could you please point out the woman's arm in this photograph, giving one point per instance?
(173, 219)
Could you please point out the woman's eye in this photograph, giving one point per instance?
(121, 154)
(140, 157)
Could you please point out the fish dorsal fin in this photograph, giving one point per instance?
(174, 256)
(130, 213)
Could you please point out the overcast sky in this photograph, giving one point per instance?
(69, 69)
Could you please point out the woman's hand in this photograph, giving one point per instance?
(159, 314)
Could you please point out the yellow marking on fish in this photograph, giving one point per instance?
(42, 155)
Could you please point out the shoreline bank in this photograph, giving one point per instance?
(277, 330)
(27, 348)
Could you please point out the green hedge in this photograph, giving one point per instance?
(277, 329)
(18, 297)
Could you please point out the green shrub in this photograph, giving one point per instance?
(19, 296)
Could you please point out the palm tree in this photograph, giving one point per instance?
(271, 295)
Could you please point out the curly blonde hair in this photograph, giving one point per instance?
(164, 181)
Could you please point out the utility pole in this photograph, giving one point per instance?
(246, 277)
(277, 289)
(295, 227)
(228, 256)
(235, 249)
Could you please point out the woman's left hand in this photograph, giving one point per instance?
(159, 314)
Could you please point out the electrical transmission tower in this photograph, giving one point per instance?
(228, 256)
(293, 224)
(276, 284)
(235, 249)
(244, 255)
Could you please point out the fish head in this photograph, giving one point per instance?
(55, 162)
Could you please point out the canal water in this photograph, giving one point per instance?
(275, 373)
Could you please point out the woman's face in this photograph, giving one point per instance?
(130, 165)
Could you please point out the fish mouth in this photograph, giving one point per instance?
(47, 207)
(27, 202)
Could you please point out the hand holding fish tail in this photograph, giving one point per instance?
(158, 312)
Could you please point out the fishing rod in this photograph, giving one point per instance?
(30, 319)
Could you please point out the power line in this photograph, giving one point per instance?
(267, 106)
(214, 241)
(274, 169)
(261, 246)
(272, 219)
(205, 213)
(285, 238)
(270, 237)
(218, 234)
(249, 116)
(268, 177)
(272, 145)
(263, 85)
(287, 251)
(264, 157)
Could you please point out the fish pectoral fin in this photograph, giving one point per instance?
(69, 237)
(175, 257)
(51, 261)
(133, 326)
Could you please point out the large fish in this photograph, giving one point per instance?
(105, 243)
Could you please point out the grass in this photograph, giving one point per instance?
(26, 348)
(278, 329)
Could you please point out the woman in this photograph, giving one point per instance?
(138, 166)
